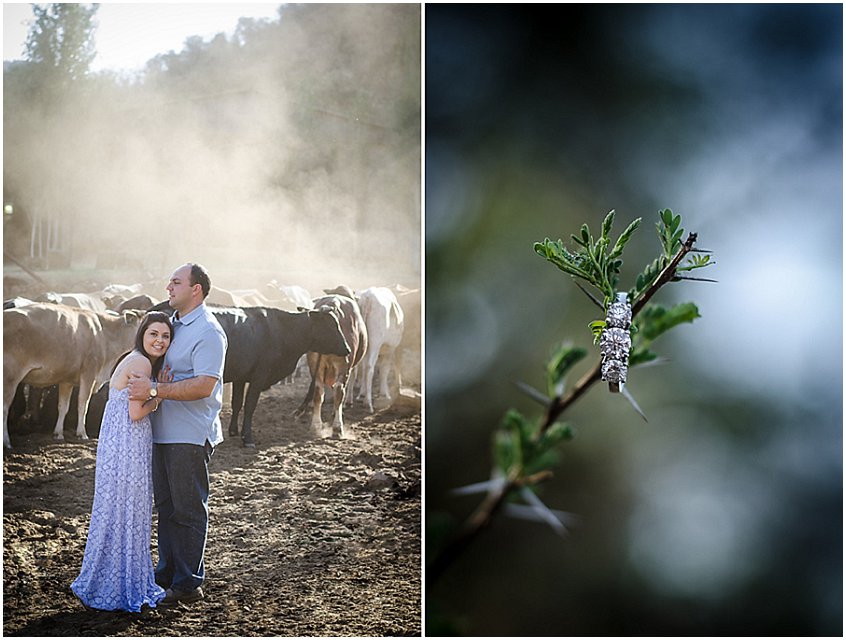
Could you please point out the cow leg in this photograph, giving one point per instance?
(397, 361)
(10, 385)
(386, 364)
(353, 379)
(253, 394)
(316, 404)
(356, 375)
(86, 387)
(7, 443)
(17, 408)
(65, 391)
(338, 420)
(372, 358)
(32, 414)
(7, 402)
(237, 401)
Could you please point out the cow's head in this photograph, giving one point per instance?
(326, 332)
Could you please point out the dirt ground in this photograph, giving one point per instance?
(308, 536)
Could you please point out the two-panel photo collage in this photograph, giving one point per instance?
(422, 320)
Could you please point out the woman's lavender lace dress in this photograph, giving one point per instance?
(117, 570)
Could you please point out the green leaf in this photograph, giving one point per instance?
(641, 356)
(541, 461)
(606, 224)
(558, 432)
(624, 238)
(562, 360)
(596, 328)
(697, 261)
(555, 253)
(655, 320)
(508, 439)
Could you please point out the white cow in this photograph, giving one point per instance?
(383, 318)
(290, 297)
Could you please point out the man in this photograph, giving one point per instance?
(186, 428)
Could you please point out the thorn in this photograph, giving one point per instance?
(533, 393)
(652, 363)
(628, 396)
(526, 512)
(701, 251)
(590, 295)
(542, 512)
(695, 278)
(488, 486)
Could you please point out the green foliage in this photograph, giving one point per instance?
(520, 450)
(522, 446)
(596, 328)
(593, 261)
(561, 361)
(653, 321)
(696, 261)
(670, 234)
(61, 37)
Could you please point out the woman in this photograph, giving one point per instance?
(117, 569)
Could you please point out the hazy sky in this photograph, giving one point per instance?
(129, 34)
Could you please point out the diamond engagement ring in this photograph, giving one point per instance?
(616, 342)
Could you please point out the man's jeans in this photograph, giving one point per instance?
(181, 488)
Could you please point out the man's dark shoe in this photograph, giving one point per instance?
(173, 597)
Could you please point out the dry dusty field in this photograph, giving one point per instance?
(308, 536)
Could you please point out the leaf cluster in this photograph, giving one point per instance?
(596, 261)
(670, 233)
(653, 321)
(519, 448)
(559, 364)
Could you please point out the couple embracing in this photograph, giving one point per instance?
(159, 429)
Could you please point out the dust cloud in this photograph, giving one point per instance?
(290, 151)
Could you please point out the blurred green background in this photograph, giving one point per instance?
(723, 514)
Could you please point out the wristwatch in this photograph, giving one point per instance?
(153, 391)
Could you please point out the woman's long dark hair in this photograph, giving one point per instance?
(147, 320)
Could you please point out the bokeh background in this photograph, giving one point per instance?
(723, 514)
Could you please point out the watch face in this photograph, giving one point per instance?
(154, 392)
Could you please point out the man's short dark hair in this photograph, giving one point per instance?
(200, 276)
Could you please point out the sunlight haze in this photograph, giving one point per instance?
(130, 34)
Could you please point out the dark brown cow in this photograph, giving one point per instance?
(47, 344)
(141, 301)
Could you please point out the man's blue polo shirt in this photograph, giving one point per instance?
(198, 349)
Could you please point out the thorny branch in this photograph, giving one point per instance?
(481, 518)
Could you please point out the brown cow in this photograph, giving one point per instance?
(334, 371)
(79, 300)
(142, 301)
(47, 344)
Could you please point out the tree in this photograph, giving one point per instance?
(61, 41)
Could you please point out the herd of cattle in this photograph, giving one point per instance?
(73, 340)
